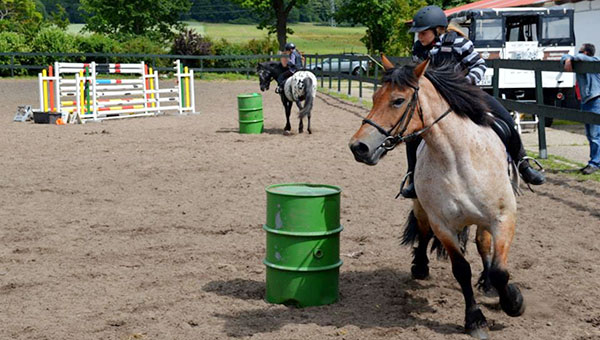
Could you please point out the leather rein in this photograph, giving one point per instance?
(392, 140)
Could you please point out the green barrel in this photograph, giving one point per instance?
(251, 113)
(303, 244)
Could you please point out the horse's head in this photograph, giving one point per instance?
(393, 113)
(266, 71)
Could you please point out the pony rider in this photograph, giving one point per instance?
(443, 44)
(294, 63)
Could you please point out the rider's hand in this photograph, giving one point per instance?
(568, 65)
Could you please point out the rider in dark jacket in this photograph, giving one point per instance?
(443, 45)
(294, 63)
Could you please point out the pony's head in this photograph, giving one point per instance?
(394, 105)
(410, 96)
(267, 71)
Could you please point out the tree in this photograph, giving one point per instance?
(124, 18)
(385, 21)
(274, 15)
(20, 16)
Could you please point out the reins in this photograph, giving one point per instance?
(392, 140)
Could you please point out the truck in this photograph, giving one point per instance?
(523, 33)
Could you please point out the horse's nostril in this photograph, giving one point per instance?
(359, 148)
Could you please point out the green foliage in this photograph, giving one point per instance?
(273, 15)
(13, 42)
(20, 16)
(261, 46)
(97, 43)
(60, 18)
(71, 8)
(55, 40)
(385, 21)
(125, 18)
(188, 42)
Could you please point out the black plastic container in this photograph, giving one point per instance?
(40, 117)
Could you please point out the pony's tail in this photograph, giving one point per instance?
(310, 96)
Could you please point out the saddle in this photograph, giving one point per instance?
(501, 129)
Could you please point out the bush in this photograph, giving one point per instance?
(142, 45)
(262, 46)
(97, 43)
(54, 40)
(189, 42)
(12, 42)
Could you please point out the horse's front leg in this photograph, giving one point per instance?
(484, 247)
(308, 128)
(301, 124)
(475, 322)
(511, 299)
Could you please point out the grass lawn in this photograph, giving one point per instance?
(309, 38)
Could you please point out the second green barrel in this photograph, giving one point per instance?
(303, 244)
(250, 109)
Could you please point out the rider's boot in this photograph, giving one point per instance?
(411, 159)
(529, 174)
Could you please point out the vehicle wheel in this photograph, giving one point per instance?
(356, 71)
(548, 122)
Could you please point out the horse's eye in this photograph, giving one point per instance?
(398, 102)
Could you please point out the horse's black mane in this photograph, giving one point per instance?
(465, 99)
(272, 65)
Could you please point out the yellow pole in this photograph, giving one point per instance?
(81, 91)
(45, 89)
(187, 87)
(152, 86)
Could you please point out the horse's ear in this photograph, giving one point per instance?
(420, 69)
(387, 65)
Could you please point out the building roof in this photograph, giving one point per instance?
(493, 4)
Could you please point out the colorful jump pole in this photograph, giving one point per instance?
(87, 89)
(45, 89)
(151, 73)
(187, 87)
(51, 88)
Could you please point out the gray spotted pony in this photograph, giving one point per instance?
(300, 87)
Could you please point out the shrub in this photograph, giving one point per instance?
(12, 42)
(55, 40)
(97, 43)
(189, 42)
(142, 45)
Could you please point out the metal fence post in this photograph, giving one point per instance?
(329, 63)
(359, 79)
(375, 82)
(201, 67)
(349, 77)
(247, 69)
(339, 74)
(322, 72)
(12, 65)
(541, 119)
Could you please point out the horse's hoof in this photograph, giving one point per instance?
(476, 324)
(309, 132)
(286, 133)
(512, 303)
(419, 272)
(479, 333)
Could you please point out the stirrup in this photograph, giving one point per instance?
(406, 177)
(525, 159)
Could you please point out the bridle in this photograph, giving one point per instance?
(391, 140)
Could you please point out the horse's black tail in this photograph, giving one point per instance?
(309, 95)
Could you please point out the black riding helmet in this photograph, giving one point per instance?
(290, 46)
(427, 18)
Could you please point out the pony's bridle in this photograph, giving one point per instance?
(391, 140)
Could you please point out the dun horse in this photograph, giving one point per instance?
(461, 177)
(302, 86)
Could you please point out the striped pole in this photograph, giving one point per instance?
(81, 92)
(181, 85)
(87, 88)
(50, 88)
(187, 87)
(151, 72)
(45, 89)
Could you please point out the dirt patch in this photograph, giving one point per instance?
(151, 228)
